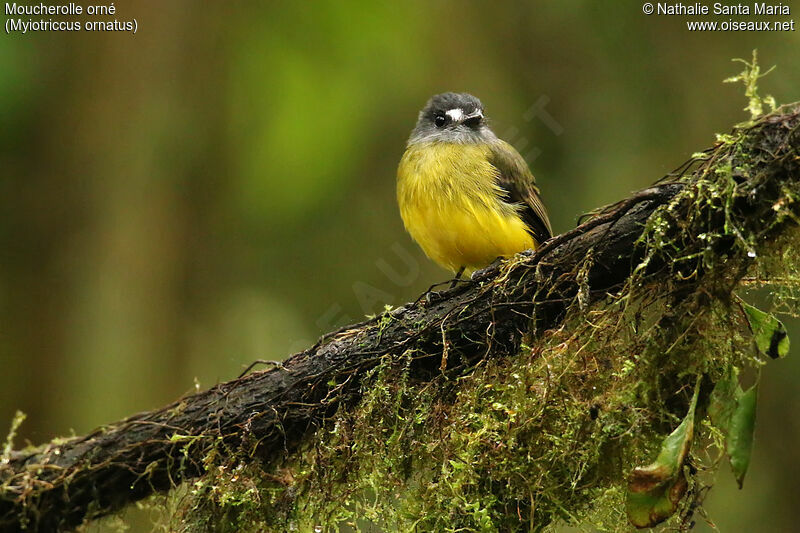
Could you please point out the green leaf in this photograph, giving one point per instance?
(733, 411)
(724, 399)
(655, 490)
(769, 333)
(740, 433)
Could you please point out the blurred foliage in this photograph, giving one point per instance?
(219, 187)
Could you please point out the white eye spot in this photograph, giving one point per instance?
(456, 114)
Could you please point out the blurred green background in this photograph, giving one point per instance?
(219, 187)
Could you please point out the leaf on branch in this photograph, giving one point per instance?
(769, 333)
(723, 400)
(740, 433)
(654, 491)
(734, 411)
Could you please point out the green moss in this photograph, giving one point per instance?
(546, 436)
(16, 422)
(749, 78)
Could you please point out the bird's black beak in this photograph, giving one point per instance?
(473, 119)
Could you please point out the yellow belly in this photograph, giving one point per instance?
(452, 208)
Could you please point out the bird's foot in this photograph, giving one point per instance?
(457, 277)
(486, 271)
(432, 297)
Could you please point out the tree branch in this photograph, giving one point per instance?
(61, 484)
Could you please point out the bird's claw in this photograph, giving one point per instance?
(486, 271)
(431, 297)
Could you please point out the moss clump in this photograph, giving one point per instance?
(548, 436)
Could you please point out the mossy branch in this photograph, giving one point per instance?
(689, 240)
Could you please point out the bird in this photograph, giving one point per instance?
(466, 196)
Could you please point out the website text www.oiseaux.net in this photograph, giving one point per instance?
(718, 9)
(736, 25)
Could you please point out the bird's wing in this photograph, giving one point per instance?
(519, 187)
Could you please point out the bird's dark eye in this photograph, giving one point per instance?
(440, 120)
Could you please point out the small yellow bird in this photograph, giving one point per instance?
(466, 196)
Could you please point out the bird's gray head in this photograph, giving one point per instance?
(454, 118)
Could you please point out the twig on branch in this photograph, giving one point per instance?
(271, 412)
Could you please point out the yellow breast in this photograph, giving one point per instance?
(451, 206)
